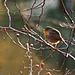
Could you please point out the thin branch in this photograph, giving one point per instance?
(14, 41)
(21, 44)
(41, 12)
(5, 4)
(49, 56)
(70, 41)
(42, 41)
(31, 11)
(71, 7)
(65, 11)
(40, 15)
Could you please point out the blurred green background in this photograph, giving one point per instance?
(12, 56)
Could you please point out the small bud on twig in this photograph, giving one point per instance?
(37, 66)
(21, 72)
(31, 45)
(17, 35)
(4, 29)
(23, 29)
(42, 64)
(48, 73)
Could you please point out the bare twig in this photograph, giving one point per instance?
(65, 11)
(7, 12)
(41, 41)
(20, 45)
(70, 41)
(49, 56)
(34, 35)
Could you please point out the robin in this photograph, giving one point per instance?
(53, 36)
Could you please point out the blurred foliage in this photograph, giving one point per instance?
(11, 56)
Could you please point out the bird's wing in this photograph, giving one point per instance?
(54, 31)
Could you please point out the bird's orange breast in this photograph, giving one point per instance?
(46, 33)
